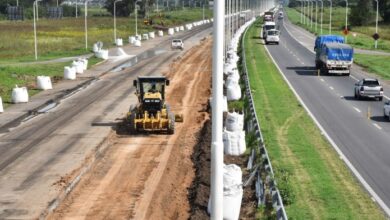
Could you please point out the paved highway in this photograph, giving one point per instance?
(363, 139)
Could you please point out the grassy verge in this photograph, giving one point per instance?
(314, 182)
(65, 37)
(361, 37)
(25, 75)
(379, 65)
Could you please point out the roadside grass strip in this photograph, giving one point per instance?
(377, 64)
(362, 39)
(25, 75)
(313, 181)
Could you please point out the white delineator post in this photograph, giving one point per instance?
(1, 105)
(217, 116)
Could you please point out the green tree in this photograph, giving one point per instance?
(361, 14)
(384, 10)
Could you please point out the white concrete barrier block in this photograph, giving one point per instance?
(69, 73)
(137, 43)
(19, 95)
(145, 37)
(131, 39)
(44, 83)
(79, 66)
(95, 48)
(181, 28)
(160, 33)
(1, 106)
(151, 35)
(177, 29)
(119, 42)
(171, 31)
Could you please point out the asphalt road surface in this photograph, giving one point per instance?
(364, 139)
(41, 154)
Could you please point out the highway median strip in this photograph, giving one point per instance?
(313, 181)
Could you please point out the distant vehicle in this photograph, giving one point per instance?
(273, 36)
(386, 110)
(268, 16)
(334, 58)
(269, 25)
(177, 44)
(280, 15)
(369, 88)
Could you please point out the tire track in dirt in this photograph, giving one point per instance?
(147, 176)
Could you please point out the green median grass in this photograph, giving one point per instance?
(362, 38)
(377, 64)
(314, 182)
(25, 75)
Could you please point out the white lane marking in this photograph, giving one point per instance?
(330, 87)
(377, 126)
(334, 145)
(322, 80)
(356, 79)
(341, 96)
(356, 109)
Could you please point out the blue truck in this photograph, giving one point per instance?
(333, 56)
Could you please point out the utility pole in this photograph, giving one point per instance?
(376, 23)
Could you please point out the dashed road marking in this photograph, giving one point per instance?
(330, 87)
(356, 109)
(322, 80)
(377, 126)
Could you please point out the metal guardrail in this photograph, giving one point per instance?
(254, 125)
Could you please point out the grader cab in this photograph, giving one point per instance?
(152, 113)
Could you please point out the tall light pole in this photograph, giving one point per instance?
(217, 116)
(316, 15)
(135, 13)
(76, 9)
(322, 13)
(330, 17)
(376, 23)
(346, 20)
(35, 4)
(85, 23)
(304, 12)
(115, 18)
(301, 11)
(36, 8)
(311, 13)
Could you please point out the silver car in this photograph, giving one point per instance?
(368, 88)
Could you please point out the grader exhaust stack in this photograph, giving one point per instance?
(152, 113)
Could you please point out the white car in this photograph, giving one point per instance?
(386, 110)
(369, 88)
(177, 44)
(273, 36)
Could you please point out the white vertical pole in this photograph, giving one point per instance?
(346, 19)
(85, 24)
(217, 84)
(135, 13)
(376, 25)
(17, 2)
(57, 3)
(76, 9)
(316, 14)
(330, 17)
(35, 32)
(311, 13)
(322, 13)
(36, 8)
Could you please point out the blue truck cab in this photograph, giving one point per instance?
(333, 56)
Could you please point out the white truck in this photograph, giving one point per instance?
(177, 44)
(268, 25)
(273, 36)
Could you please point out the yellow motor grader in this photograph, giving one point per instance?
(152, 113)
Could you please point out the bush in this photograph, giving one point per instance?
(285, 186)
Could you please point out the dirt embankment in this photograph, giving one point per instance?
(147, 176)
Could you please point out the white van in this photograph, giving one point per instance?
(273, 36)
